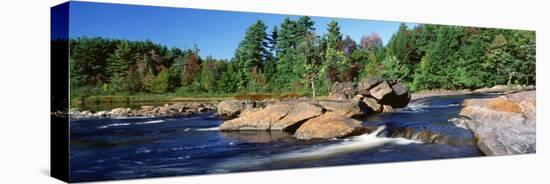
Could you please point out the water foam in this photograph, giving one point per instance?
(127, 124)
(150, 122)
(114, 125)
(354, 144)
(209, 129)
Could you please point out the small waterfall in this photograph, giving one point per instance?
(355, 144)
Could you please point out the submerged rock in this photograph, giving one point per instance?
(455, 137)
(328, 125)
(259, 136)
(504, 125)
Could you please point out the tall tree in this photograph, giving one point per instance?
(88, 60)
(120, 60)
(437, 66)
(304, 26)
(191, 68)
(251, 54)
(310, 53)
(333, 36)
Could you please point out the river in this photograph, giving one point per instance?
(105, 149)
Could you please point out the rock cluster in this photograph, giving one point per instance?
(232, 108)
(319, 119)
(378, 94)
(306, 118)
(504, 125)
(175, 109)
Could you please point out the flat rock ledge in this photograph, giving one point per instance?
(175, 109)
(503, 125)
(306, 119)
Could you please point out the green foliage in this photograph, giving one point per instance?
(292, 58)
(372, 67)
(119, 61)
(251, 55)
(333, 37)
(161, 83)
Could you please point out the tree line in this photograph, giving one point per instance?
(291, 57)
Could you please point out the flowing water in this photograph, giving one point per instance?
(103, 149)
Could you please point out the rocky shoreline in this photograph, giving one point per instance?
(497, 126)
(502, 125)
(500, 89)
(174, 109)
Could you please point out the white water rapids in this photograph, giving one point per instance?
(354, 144)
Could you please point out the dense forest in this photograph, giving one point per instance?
(291, 57)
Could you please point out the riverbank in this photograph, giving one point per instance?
(140, 104)
(166, 110)
(504, 89)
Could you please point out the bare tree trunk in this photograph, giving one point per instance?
(312, 80)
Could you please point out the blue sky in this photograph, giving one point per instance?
(216, 33)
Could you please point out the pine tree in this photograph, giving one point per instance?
(161, 82)
(333, 36)
(120, 60)
(251, 54)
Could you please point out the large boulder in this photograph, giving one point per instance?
(381, 90)
(391, 93)
(503, 125)
(328, 125)
(372, 105)
(287, 116)
(297, 114)
(258, 120)
(364, 86)
(232, 108)
(342, 90)
(347, 108)
(399, 98)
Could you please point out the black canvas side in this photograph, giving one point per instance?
(59, 91)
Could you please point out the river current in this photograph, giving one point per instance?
(105, 149)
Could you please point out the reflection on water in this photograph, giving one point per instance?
(259, 136)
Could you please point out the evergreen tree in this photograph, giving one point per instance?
(161, 82)
(120, 60)
(251, 54)
(333, 36)
(437, 66)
